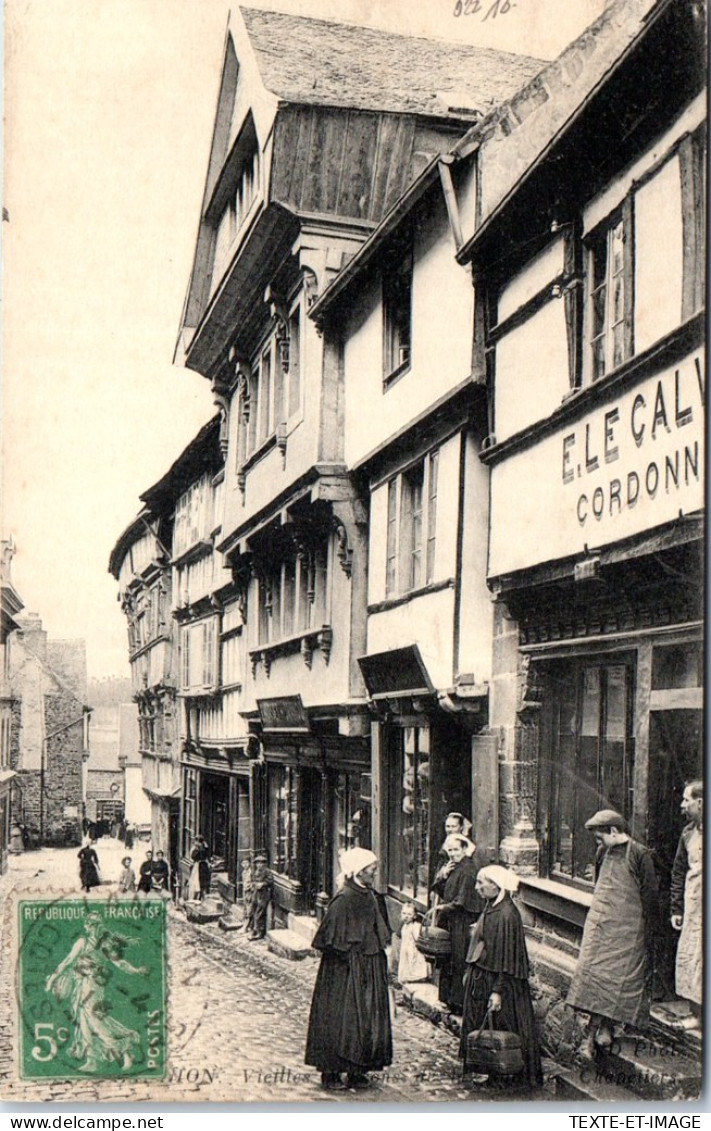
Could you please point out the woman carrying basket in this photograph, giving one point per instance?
(497, 976)
(461, 906)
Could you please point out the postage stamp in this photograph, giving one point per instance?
(91, 988)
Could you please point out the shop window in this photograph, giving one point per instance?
(189, 810)
(283, 818)
(397, 313)
(409, 811)
(610, 297)
(352, 811)
(412, 527)
(592, 757)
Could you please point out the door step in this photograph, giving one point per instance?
(288, 944)
(304, 925)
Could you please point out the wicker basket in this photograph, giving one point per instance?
(434, 941)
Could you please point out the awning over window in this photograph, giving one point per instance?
(398, 672)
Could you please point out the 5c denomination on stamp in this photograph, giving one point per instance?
(91, 988)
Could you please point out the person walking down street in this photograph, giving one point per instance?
(160, 874)
(460, 908)
(127, 879)
(615, 966)
(145, 874)
(687, 900)
(349, 1024)
(261, 894)
(497, 971)
(88, 867)
(128, 836)
(199, 883)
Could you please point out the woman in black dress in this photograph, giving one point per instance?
(200, 874)
(497, 975)
(461, 906)
(145, 874)
(88, 868)
(349, 1025)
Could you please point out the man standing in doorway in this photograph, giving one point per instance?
(687, 900)
(612, 977)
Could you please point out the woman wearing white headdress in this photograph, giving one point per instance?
(349, 1025)
(497, 977)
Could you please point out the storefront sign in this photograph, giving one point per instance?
(286, 714)
(628, 466)
(397, 672)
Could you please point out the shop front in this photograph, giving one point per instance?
(315, 791)
(216, 805)
(424, 760)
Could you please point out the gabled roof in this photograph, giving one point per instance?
(321, 62)
(202, 454)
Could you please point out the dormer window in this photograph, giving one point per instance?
(232, 200)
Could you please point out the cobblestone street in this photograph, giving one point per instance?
(237, 1017)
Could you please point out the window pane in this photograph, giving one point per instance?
(391, 567)
(677, 665)
(294, 362)
(432, 513)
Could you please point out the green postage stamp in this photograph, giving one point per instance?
(92, 988)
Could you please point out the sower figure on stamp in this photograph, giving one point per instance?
(349, 1026)
(612, 977)
(79, 981)
(260, 897)
(687, 900)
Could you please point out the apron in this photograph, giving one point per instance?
(412, 966)
(610, 976)
(689, 955)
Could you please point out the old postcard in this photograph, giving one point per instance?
(351, 732)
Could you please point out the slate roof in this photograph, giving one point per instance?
(334, 64)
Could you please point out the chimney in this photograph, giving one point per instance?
(32, 634)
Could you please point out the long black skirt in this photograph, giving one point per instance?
(515, 1015)
(454, 966)
(349, 1024)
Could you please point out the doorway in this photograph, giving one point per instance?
(675, 757)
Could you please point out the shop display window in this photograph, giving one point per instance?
(592, 763)
(283, 818)
(409, 811)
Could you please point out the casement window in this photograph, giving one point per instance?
(189, 810)
(412, 527)
(236, 211)
(194, 513)
(409, 810)
(5, 731)
(397, 311)
(590, 719)
(610, 293)
(294, 382)
(292, 594)
(198, 662)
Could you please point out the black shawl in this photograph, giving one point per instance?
(498, 942)
(355, 920)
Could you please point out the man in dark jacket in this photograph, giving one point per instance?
(687, 900)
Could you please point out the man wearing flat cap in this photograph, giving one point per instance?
(614, 969)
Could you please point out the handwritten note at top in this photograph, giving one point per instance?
(483, 8)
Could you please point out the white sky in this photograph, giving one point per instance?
(108, 109)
